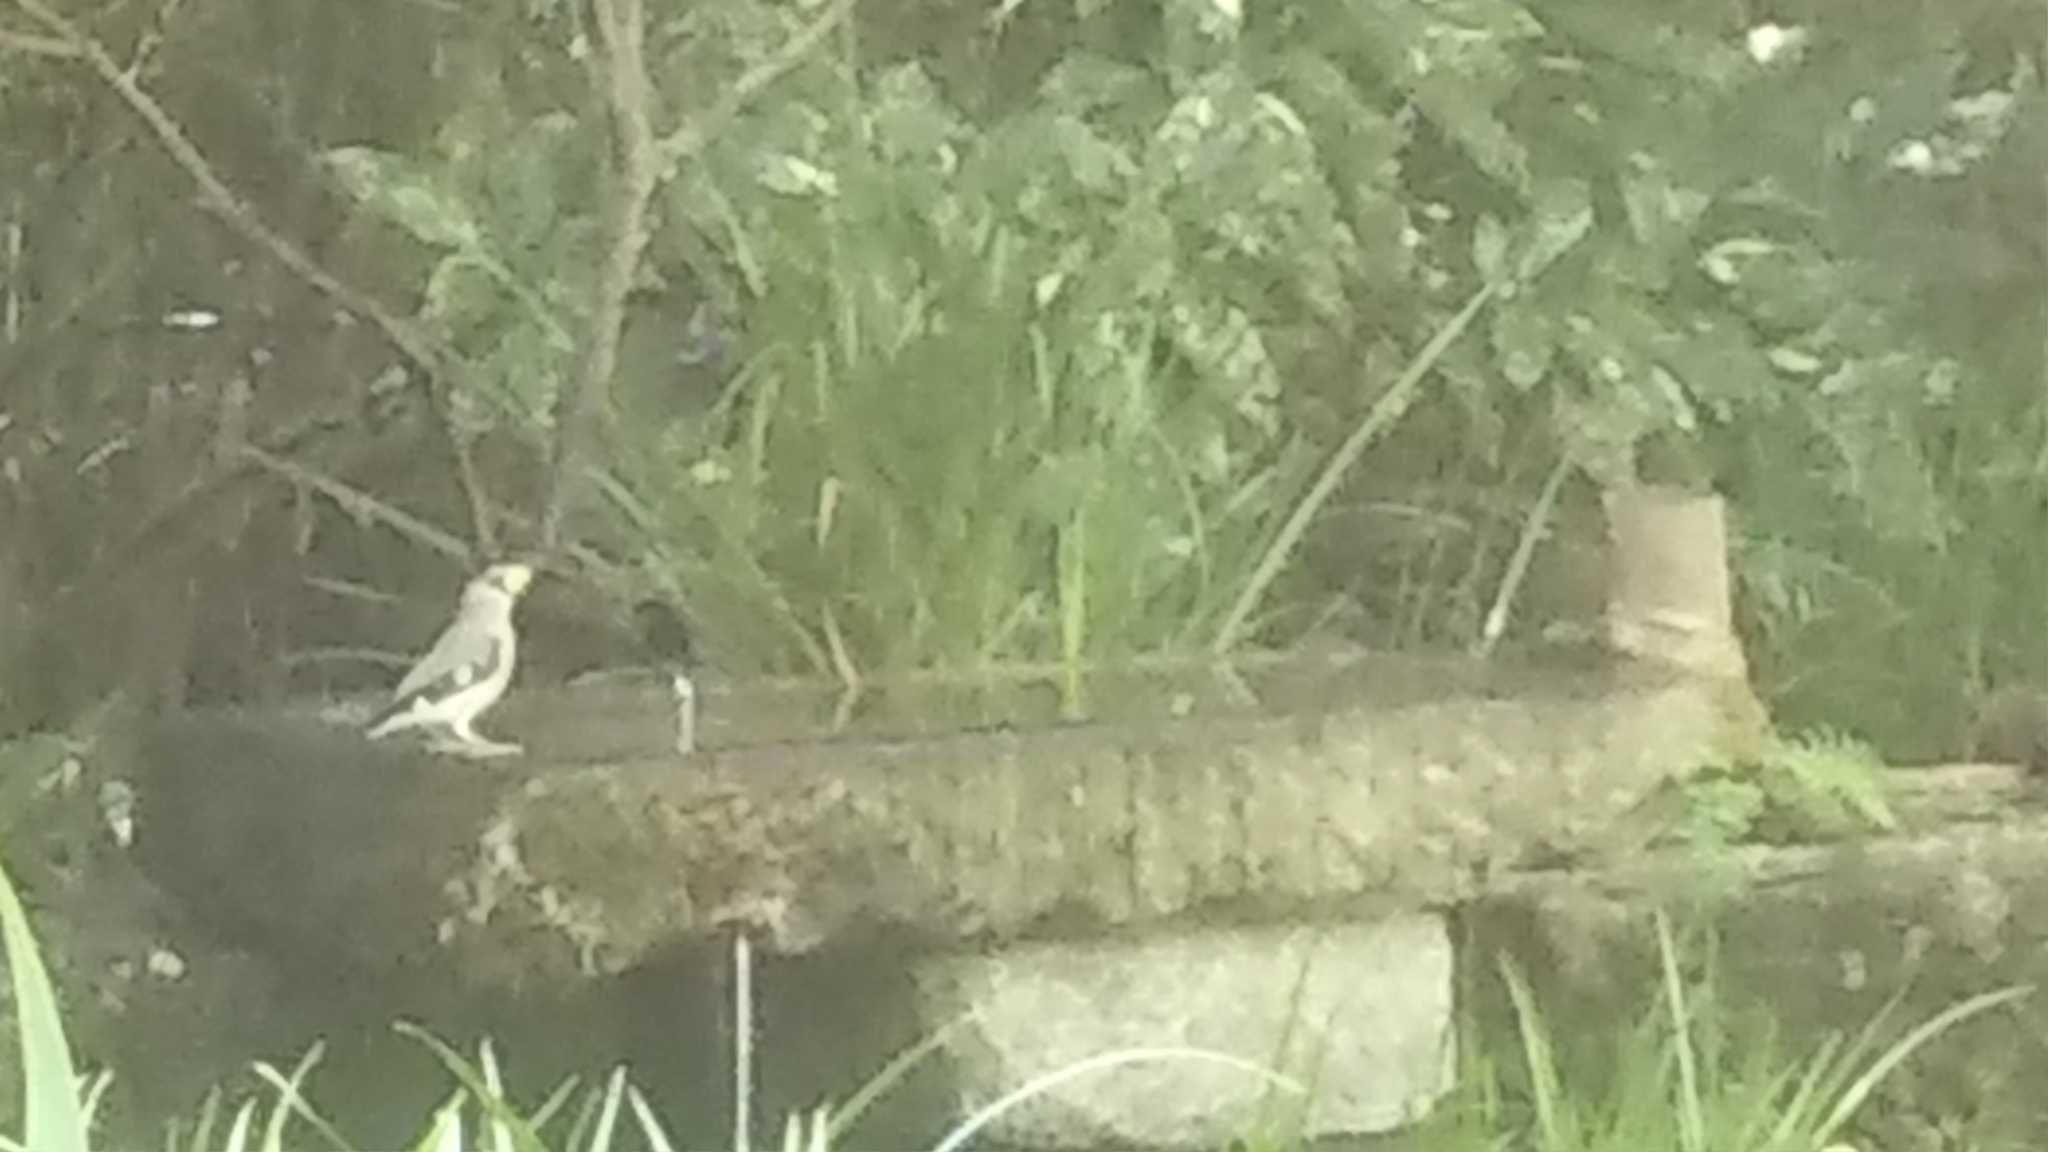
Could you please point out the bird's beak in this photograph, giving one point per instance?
(510, 579)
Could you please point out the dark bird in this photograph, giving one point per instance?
(665, 639)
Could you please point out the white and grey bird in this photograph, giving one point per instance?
(468, 668)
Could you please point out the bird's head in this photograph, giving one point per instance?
(502, 581)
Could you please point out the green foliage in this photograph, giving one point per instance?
(1828, 783)
(1819, 786)
(977, 370)
(980, 338)
(1008, 392)
(1693, 1075)
(510, 277)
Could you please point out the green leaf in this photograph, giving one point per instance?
(1562, 216)
(793, 175)
(1721, 811)
(1092, 161)
(911, 120)
(1522, 342)
(1489, 248)
(1458, 61)
(1660, 213)
(1832, 783)
(393, 186)
(1084, 82)
(458, 294)
(522, 185)
(1721, 365)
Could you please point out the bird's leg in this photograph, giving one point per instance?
(489, 749)
(484, 745)
(469, 743)
(686, 711)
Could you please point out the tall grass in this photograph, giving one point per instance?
(998, 398)
(1685, 1078)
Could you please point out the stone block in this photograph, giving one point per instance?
(1361, 1012)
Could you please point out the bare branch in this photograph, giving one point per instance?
(620, 30)
(433, 363)
(641, 165)
(375, 657)
(360, 504)
(37, 45)
(152, 38)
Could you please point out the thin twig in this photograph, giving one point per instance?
(433, 364)
(349, 590)
(374, 657)
(620, 30)
(216, 481)
(361, 504)
(37, 45)
(1518, 564)
(1385, 410)
(152, 38)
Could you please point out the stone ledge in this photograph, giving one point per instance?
(592, 856)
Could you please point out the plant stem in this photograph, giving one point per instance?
(1384, 412)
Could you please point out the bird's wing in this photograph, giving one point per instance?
(664, 634)
(470, 650)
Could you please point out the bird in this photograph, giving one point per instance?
(468, 668)
(665, 639)
(663, 634)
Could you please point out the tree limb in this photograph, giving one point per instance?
(360, 504)
(37, 45)
(643, 164)
(620, 29)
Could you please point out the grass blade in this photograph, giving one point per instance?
(1897, 1054)
(1040, 1085)
(608, 1116)
(523, 1136)
(290, 1100)
(55, 1121)
(846, 1115)
(1692, 1128)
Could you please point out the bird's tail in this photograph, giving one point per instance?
(395, 717)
